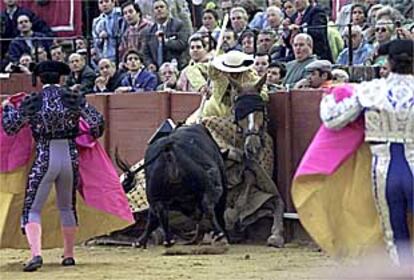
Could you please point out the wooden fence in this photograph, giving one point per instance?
(131, 119)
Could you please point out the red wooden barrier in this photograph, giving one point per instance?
(17, 83)
(131, 119)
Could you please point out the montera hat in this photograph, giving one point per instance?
(51, 67)
(233, 62)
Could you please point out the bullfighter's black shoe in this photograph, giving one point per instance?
(34, 264)
(69, 261)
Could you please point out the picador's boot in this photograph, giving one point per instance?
(33, 234)
(69, 234)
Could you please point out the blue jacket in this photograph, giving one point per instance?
(144, 81)
(359, 55)
(18, 46)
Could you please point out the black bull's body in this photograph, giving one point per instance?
(184, 172)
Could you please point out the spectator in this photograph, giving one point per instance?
(40, 54)
(165, 40)
(137, 79)
(266, 41)
(25, 65)
(388, 13)
(289, 9)
(344, 17)
(133, 35)
(314, 20)
(25, 42)
(302, 48)
(336, 43)
(274, 17)
(275, 75)
(261, 63)
(109, 78)
(359, 15)
(106, 29)
(82, 77)
(178, 9)
(277, 3)
(225, 6)
(80, 44)
(229, 41)
(361, 50)
(247, 40)
(210, 23)
(10, 16)
(168, 74)
(238, 20)
(340, 76)
(384, 68)
(210, 43)
(194, 76)
(384, 32)
(57, 53)
(319, 75)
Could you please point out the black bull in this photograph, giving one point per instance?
(185, 172)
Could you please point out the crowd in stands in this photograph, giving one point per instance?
(148, 45)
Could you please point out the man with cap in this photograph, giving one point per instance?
(319, 75)
(387, 105)
(238, 67)
(53, 115)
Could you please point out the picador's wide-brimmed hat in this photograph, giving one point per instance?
(233, 62)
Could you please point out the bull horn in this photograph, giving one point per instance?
(121, 164)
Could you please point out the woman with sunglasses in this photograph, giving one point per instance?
(384, 32)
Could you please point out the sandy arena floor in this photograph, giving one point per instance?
(240, 262)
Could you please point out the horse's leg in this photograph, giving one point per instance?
(276, 238)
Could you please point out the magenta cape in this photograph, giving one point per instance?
(329, 149)
(332, 193)
(99, 182)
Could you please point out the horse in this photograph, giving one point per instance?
(249, 128)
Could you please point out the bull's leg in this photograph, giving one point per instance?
(162, 213)
(152, 225)
(211, 213)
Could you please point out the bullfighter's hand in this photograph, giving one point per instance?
(205, 91)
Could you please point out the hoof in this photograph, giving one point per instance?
(139, 245)
(69, 261)
(34, 264)
(220, 239)
(276, 241)
(169, 244)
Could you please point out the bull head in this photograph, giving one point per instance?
(128, 181)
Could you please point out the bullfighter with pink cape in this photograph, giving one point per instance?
(101, 203)
(332, 190)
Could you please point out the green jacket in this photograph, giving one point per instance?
(219, 102)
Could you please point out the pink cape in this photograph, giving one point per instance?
(329, 149)
(99, 182)
(15, 150)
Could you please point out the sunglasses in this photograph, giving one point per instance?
(382, 29)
